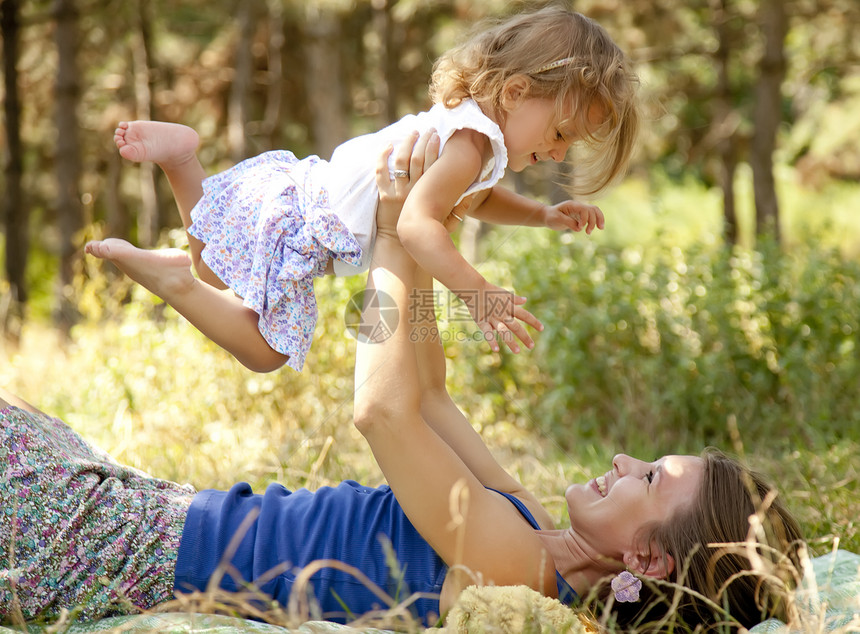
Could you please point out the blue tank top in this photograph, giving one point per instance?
(361, 526)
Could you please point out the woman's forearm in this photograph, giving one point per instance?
(386, 376)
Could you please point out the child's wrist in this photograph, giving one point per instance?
(543, 215)
(469, 280)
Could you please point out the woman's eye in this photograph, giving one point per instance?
(650, 476)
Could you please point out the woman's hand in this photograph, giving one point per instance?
(414, 157)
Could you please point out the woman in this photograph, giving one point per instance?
(79, 530)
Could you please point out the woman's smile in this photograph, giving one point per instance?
(600, 481)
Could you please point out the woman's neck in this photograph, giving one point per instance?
(574, 561)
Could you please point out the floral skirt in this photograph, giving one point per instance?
(78, 530)
(269, 231)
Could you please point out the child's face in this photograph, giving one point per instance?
(533, 133)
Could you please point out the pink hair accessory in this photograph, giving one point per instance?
(626, 587)
(556, 64)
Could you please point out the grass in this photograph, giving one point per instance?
(138, 381)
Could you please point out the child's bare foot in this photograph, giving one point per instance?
(165, 272)
(166, 144)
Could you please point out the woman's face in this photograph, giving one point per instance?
(608, 511)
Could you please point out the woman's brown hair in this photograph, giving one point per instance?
(736, 551)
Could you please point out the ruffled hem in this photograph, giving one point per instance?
(269, 230)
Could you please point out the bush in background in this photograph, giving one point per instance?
(680, 347)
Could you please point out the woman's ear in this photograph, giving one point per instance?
(654, 564)
(516, 89)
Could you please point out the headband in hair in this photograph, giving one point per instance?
(556, 64)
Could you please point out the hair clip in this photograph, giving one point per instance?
(556, 64)
(626, 587)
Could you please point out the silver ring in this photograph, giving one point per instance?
(456, 216)
(401, 174)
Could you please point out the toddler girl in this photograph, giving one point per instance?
(524, 90)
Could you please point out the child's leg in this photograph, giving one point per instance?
(173, 147)
(218, 314)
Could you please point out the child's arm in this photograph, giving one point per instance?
(504, 207)
(422, 232)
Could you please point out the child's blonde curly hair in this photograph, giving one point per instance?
(594, 72)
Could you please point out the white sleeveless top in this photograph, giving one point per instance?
(351, 173)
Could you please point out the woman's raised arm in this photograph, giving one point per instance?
(437, 407)
(467, 524)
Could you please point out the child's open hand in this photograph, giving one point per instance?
(499, 313)
(574, 216)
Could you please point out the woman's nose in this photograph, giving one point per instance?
(621, 463)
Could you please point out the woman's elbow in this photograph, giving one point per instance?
(408, 231)
(368, 416)
(388, 416)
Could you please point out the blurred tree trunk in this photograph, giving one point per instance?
(270, 129)
(237, 108)
(15, 213)
(384, 60)
(68, 159)
(322, 77)
(471, 235)
(726, 122)
(767, 115)
(148, 222)
(118, 225)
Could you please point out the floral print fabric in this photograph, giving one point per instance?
(269, 231)
(79, 530)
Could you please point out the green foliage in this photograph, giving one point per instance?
(684, 347)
